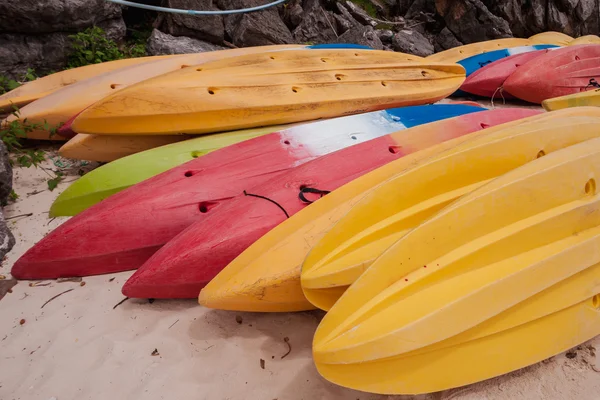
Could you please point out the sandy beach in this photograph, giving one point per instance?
(80, 346)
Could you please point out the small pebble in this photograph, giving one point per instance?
(21, 322)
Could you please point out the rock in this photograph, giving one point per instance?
(342, 24)
(161, 43)
(412, 42)
(295, 13)
(364, 35)
(318, 25)
(114, 29)
(204, 27)
(359, 14)
(385, 35)
(575, 18)
(256, 28)
(446, 40)
(35, 16)
(44, 53)
(6, 174)
(7, 240)
(471, 21)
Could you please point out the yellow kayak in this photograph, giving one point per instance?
(267, 89)
(41, 87)
(109, 148)
(505, 277)
(460, 53)
(588, 39)
(551, 37)
(266, 276)
(61, 105)
(588, 98)
(387, 213)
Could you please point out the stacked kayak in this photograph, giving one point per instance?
(124, 230)
(538, 75)
(287, 178)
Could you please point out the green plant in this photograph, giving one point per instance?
(92, 47)
(11, 133)
(13, 196)
(7, 84)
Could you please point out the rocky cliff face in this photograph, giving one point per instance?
(415, 26)
(34, 33)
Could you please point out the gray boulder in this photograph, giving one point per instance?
(471, 21)
(318, 25)
(412, 42)
(7, 239)
(446, 40)
(255, 28)
(575, 18)
(161, 43)
(364, 35)
(44, 53)
(204, 27)
(36, 16)
(385, 35)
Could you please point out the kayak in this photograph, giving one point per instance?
(109, 179)
(266, 89)
(386, 214)
(123, 231)
(62, 105)
(587, 98)
(563, 71)
(42, 87)
(477, 62)
(266, 276)
(105, 87)
(443, 305)
(110, 148)
(190, 260)
(551, 37)
(460, 53)
(588, 39)
(489, 80)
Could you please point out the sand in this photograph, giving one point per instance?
(78, 346)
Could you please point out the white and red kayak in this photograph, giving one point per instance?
(121, 232)
(189, 261)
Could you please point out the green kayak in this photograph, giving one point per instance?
(120, 174)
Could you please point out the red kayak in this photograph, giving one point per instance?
(121, 232)
(189, 261)
(559, 72)
(489, 80)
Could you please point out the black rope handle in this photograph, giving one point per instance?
(266, 198)
(311, 190)
(484, 63)
(593, 83)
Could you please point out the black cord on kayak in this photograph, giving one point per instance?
(593, 83)
(266, 198)
(311, 190)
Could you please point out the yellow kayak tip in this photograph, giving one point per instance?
(105, 148)
(385, 214)
(551, 37)
(11, 104)
(588, 39)
(460, 53)
(442, 306)
(582, 99)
